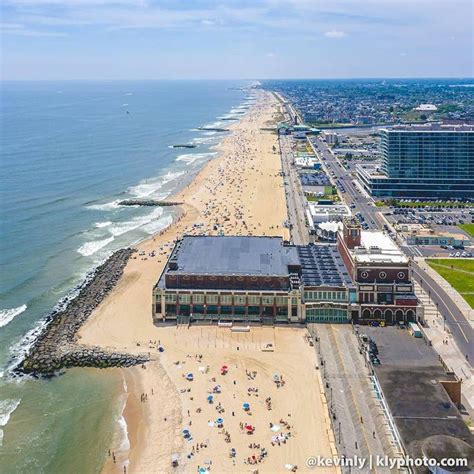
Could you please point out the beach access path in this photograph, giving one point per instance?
(240, 192)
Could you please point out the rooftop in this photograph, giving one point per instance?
(322, 265)
(431, 127)
(377, 247)
(232, 255)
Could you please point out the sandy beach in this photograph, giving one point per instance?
(240, 192)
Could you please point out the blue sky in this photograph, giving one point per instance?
(165, 39)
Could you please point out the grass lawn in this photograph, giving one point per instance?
(469, 228)
(459, 273)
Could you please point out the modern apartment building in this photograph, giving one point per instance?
(433, 161)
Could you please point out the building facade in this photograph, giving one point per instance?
(432, 161)
(381, 275)
(251, 279)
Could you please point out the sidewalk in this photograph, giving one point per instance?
(452, 357)
(461, 303)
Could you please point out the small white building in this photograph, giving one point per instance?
(331, 138)
(426, 108)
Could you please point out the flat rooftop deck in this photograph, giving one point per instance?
(222, 255)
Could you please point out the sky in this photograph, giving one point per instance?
(235, 39)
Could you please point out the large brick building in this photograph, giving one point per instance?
(252, 279)
(381, 274)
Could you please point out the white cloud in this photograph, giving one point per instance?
(335, 34)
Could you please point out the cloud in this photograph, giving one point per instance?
(335, 34)
(21, 30)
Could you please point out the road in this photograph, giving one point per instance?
(294, 194)
(353, 194)
(358, 422)
(456, 321)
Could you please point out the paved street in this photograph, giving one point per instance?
(359, 424)
(294, 194)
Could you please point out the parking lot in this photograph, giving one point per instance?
(397, 346)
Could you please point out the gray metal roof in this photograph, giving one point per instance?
(223, 255)
(321, 265)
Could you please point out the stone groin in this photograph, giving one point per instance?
(148, 203)
(57, 345)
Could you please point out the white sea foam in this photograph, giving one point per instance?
(192, 157)
(158, 225)
(90, 248)
(205, 139)
(124, 105)
(100, 225)
(129, 93)
(135, 223)
(7, 407)
(151, 186)
(7, 315)
(108, 206)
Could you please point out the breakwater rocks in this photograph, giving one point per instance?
(57, 345)
(185, 145)
(213, 129)
(147, 202)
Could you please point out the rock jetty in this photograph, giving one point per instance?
(148, 203)
(213, 129)
(185, 145)
(57, 346)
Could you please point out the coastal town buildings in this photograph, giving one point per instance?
(434, 161)
(381, 274)
(252, 279)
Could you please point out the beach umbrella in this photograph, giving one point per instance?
(246, 406)
(276, 377)
(190, 376)
(161, 349)
(219, 421)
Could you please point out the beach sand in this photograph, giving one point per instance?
(240, 192)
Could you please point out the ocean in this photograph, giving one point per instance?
(70, 151)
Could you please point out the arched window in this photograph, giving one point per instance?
(366, 313)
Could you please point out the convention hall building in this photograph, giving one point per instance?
(252, 279)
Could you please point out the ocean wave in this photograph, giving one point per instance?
(90, 248)
(100, 225)
(135, 223)
(158, 225)
(7, 315)
(192, 157)
(205, 139)
(108, 206)
(148, 187)
(21, 348)
(7, 407)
